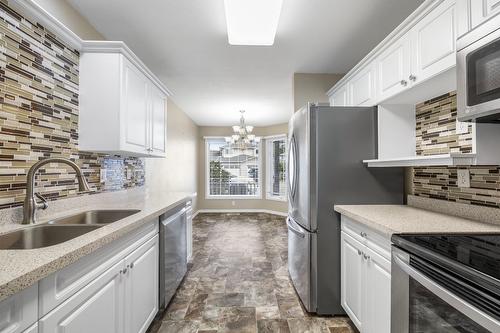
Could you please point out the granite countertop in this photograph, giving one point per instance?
(22, 268)
(398, 219)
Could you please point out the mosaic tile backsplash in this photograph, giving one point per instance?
(436, 124)
(39, 116)
(436, 127)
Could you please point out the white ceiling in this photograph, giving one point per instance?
(185, 43)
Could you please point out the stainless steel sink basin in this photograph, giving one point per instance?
(95, 217)
(42, 236)
(61, 230)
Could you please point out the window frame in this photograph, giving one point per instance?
(269, 140)
(209, 196)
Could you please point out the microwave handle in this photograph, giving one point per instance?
(472, 312)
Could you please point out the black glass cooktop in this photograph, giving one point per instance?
(479, 252)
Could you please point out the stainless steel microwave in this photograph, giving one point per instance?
(478, 73)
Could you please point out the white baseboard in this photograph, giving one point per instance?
(265, 211)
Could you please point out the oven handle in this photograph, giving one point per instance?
(470, 311)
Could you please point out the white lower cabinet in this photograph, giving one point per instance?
(141, 287)
(32, 329)
(352, 278)
(122, 299)
(365, 278)
(96, 308)
(19, 311)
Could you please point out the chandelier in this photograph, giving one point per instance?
(242, 136)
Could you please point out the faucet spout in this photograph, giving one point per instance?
(30, 203)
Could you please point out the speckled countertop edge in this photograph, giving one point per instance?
(399, 219)
(22, 268)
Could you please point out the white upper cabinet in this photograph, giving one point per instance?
(135, 108)
(362, 87)
(122, 104)
(421, 48)
(393, 69)
(158, 122)
(434, 43)
(482, 10)
(339, 97)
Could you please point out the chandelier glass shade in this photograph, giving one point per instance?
(242, 134)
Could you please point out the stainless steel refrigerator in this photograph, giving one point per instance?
(325, 168)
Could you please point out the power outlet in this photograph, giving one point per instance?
(462, 127)
(463, 178)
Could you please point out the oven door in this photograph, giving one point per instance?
(478, 75)
(419, 304)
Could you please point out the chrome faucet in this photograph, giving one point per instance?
(30, 203)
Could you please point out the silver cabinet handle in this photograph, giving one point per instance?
(412, 78)
(124, 271)
(404, 83)
(363, 234)
(131, 265)
(366, 257)
(359, 252)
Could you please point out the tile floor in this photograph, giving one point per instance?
(238, 282)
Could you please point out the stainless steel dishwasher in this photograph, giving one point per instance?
(173, 252)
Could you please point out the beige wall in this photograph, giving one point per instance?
(215, 204)
(178, 171)
(67, 15)
(312, 88)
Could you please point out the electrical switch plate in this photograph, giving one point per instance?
(102, 176)
(129, 174)
(463, 178)
(462, 127)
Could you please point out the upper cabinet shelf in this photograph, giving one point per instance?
(122, 103)
(429, 160)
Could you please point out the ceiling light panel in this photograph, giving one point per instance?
(252, 22)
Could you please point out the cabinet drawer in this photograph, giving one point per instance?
(19, 311)
(367, 236)
(62, 284)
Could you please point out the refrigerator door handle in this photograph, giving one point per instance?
(292, 228)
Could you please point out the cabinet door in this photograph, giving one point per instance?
(19, 311)
(98, 307)
(339, 98)
(141, 289)
(362, 87)
(352, 286)
(482, 10)
(434, 42)
(393, 69)
(158, 122)
(135, 106)
(377, 302)
(32, 329)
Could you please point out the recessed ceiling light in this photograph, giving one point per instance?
(252, 22)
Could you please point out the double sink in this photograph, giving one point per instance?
(61, 230)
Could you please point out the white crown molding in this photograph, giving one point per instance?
(419, 13)
(33, 10)
(103, 46)
(234, 211)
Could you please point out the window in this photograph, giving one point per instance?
(276, 167)
(232, 171)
